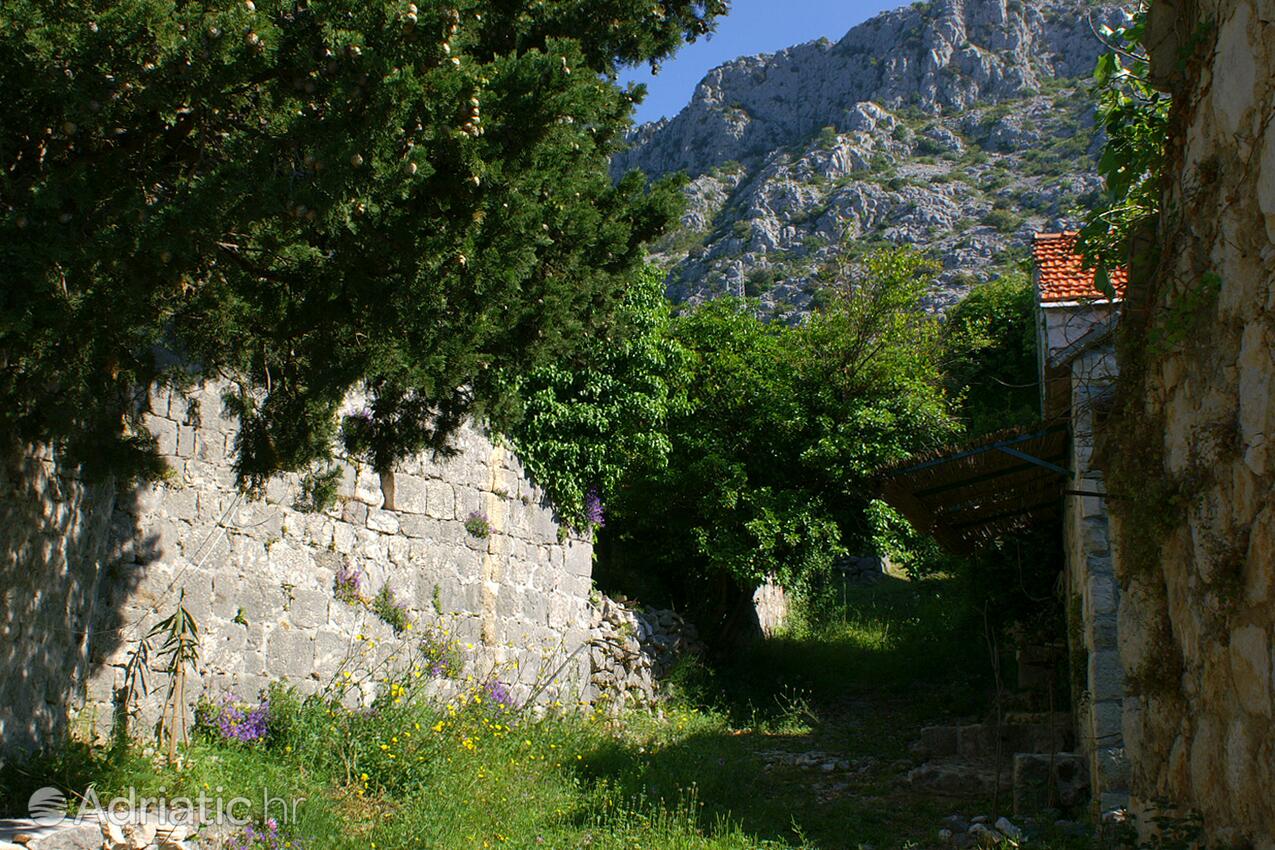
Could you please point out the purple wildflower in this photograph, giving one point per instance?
(267, 838)
(349, 585)
(593, 509)
(478, 525)
(499, 694)
(237, 721)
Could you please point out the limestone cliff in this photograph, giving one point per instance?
(958, 126)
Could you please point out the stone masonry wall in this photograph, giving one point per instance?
(55, 549)
(1196, 533)
(87, 572)
(1093, 592)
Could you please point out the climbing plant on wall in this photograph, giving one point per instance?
(589, 421)
(1135, 119)
(308, 197)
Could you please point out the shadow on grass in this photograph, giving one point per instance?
(849, 693)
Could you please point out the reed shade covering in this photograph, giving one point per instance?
(967, 496)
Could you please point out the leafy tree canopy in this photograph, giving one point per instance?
(588, 423)
(989, 342)
(308, 198)
(783, 426)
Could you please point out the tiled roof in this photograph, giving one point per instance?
(1062, 275)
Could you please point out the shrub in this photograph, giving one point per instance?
(782, 428)
(990, 344)
(1003, 220)
(478, 525)
(390, 611)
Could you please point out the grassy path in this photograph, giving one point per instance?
(808, 742)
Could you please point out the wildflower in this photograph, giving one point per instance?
(593, 509)
(499, 694)
(236, 721)
(348, 586)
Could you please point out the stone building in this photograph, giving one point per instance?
(1077, 368)
(466, 549)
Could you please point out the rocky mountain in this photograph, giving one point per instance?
(957, 126)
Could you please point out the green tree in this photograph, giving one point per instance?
(589, 422)
(771, 458)
(989, 343)
(307, 198)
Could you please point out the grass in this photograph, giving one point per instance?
(714, 769)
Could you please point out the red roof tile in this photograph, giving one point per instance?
(1063, 277)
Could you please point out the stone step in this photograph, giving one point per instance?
(1020, 733)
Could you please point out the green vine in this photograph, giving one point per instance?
(1135, 117)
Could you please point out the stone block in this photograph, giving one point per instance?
(579, 557)
(227, 642)
(1105, 719)
(1095, 539)
(385, 522)
(508, 602)
(1105, 675)
(455, 596)
(290, 653)
(937, 742)
(416, 527)
(165, 433)
(181, 503)
(355, 513)
(1045, 781)
(309, 608)
(1101, 596)
(441, 499)
(411, 494)
(1250, 657)
(330, 648)
(1103, 632)
(468, 500)
(211, 447)
(1112, 765)
(344, 539)
(187, 440)
(367, 488)
(399, 549)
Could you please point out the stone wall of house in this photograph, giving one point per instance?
(1191, 452)
(87, 572)
(1093, 594)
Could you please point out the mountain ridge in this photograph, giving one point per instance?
(954, 125)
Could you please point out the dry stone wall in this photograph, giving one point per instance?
(1196, 533)
(634, 649)
(87, 571)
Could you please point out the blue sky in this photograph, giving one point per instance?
(753, 26)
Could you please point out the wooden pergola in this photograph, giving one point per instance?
(968, 496)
